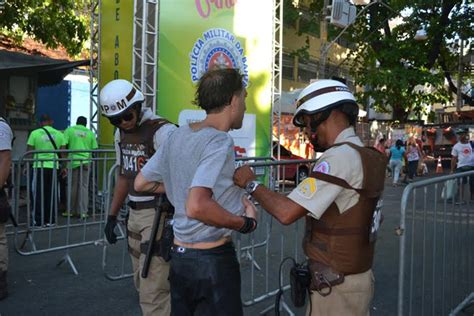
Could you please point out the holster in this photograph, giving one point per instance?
(167, 237)
(299, 282)
(323, 277)
(5, 208)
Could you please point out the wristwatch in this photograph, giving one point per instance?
(251, 186)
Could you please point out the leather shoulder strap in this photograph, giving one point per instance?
(343, 183)
(50, 138)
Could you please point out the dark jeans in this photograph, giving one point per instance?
(205, 282)
(43, 199)
(465, 179)
(412, 166)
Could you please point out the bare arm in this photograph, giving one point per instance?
(5, 164)
(201, 206)
(282, 208)
(120, 194)
(454, 162)
(143, 185)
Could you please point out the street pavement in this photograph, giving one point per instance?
(38, 286)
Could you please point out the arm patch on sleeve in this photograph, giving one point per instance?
(307, 188)
(322, 167)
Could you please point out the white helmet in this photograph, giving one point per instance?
(324, 95)
(117, 96)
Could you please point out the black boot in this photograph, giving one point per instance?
(3, 285)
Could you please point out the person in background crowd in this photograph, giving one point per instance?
(138, 135)
(463, 160)
(79, 137)
(196, 166)
(6, 138)
(380, 145)
(338, 200)
(45, 178)
(396, 156)
(413, 154)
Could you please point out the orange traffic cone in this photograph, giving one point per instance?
(439, 166)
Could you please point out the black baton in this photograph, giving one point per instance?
(152, 241)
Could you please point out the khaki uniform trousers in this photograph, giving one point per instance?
(80, 189)
(3, 249)
(154, 291)
(353, 297)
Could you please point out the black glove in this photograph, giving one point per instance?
(109, 229)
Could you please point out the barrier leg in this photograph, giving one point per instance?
(247, 255)
(67, 258)
(30, 239)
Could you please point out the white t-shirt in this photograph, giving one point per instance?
(464, 154)
(6, 136)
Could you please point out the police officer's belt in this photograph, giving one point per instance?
(142, 204)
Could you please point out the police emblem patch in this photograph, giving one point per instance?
(307, 188)
(322, 167)
(217, 48)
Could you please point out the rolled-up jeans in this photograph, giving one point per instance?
(205, 281)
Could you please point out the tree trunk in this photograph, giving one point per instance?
(399, 113)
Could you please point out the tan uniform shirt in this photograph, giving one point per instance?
(343, 162)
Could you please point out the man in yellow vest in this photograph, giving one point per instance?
(339, 201)
(79, 137)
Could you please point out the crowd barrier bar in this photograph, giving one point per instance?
(57, 234)
(440, 252)
(122, 243)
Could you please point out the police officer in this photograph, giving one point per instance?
(339, 201)
(6, 137)
(139, 134)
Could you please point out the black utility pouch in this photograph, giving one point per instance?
(5, 207)
(300, 279)
(166, 240)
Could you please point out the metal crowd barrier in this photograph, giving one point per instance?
(116, 262)
(436, 247)
(51, 231)
(262, 252)
(259, 253)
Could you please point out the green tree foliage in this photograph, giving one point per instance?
(52, 22)
(393, 66)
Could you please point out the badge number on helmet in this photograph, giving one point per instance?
(307, 188)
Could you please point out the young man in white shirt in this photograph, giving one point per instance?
(462, 160)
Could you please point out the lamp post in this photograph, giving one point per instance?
(459, 101)
(326, 46)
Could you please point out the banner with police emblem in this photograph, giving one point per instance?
(198, 35)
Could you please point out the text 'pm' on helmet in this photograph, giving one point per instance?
(117, 96)
(319, 96)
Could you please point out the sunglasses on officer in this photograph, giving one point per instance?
(117, 120)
